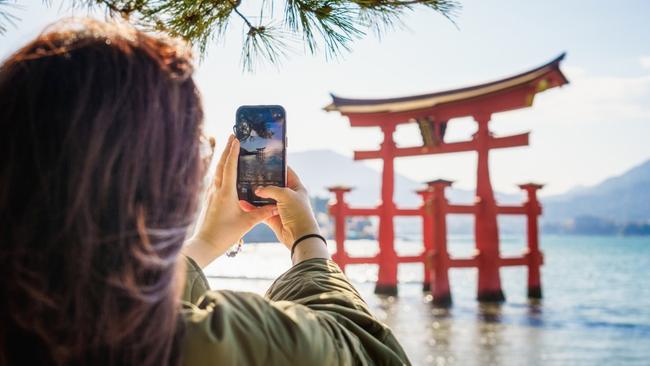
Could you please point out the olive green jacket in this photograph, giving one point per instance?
(311, 315)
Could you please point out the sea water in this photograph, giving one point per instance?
(595, 310)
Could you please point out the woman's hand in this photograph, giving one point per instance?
(296, 218)
(225, 222)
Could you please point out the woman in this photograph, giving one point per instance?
(99, 182)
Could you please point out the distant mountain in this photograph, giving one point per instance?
(624, 198)
(618, 200)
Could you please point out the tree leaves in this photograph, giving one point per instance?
(6, 17)
(328, 26)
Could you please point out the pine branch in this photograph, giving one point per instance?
(6, 16)
(264, 43)
(329, 26)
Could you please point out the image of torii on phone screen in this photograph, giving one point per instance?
(261, 131)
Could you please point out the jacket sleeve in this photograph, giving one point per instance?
(311, 315)
(195, 282)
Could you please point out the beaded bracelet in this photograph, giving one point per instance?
(235, 249)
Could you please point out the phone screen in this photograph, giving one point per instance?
(261, 131)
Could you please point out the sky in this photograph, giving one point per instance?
(595, 127)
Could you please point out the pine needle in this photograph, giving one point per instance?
(328, 26)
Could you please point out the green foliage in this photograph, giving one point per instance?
(6, 17)
(320, 25)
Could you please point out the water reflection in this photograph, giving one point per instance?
(489, 312)
(482, 334)
(489, 334)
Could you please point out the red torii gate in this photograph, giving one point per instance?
(432, 112)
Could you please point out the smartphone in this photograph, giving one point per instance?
(262, 133)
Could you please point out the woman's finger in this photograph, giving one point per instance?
(230, 168)
(275, 224)
(246, 206)
(277, 193)
(260, 214)
(293, 181)
(218, 177)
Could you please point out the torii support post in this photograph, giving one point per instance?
(486, 230)
(387, 257)
(440, 270)
(338, 210)
(533, 254)
(427, 235)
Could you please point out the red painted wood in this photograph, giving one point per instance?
(463, 262)
(461, 209)
(450, 147)
(365, 155)
(513, 261)
(440, 288)
(363, 260)
(486, 231)
(387, 275)
(410, 259)
(508, 141)
(503, 101)
(427, 235)
(511, 210)
(533, 255)
(408, 212)
(362, 211)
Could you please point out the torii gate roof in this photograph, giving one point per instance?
(536, 80)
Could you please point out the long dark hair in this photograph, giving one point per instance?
(99, 172)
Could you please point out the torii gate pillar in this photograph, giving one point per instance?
(533, 254)
(486, 229)
(440, 288)
(387, 258)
